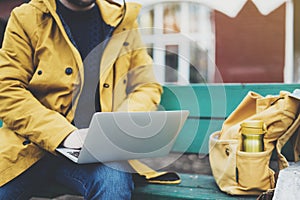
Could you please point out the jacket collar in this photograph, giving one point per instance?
(112, 12)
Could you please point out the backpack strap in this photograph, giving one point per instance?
(296, 144)
(282, 140)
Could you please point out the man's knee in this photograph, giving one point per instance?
(111, 183)
(118, 179)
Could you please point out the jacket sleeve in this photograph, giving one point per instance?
(19, 109)
(143, 90)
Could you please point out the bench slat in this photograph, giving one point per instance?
(194, 136)
(192, 187)
(215, 100)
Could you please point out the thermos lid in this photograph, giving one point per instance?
(253, 124)
(253, 127)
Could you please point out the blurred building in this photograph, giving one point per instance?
(209, 41)
(204, 41)
(181, 38)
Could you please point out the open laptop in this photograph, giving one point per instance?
(116, 136)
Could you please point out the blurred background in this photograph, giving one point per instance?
(220, 41)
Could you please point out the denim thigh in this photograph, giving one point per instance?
(96, 181)
(25, 185)
(93, 181)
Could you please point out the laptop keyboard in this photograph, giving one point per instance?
(74, 153)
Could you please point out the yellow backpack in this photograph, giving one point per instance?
(248, 173)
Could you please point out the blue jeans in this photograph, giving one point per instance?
(93, 181)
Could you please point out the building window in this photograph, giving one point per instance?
(181, 38)
(171, 58)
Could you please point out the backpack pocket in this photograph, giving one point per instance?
(222, 156)
(253, 171)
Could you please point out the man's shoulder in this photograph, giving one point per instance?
(31, 17)
(31, 13)
(29, 10)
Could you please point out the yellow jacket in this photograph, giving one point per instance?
(39, 68)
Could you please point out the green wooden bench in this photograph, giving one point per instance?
(209, 105)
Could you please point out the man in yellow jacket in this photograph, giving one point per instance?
(61, 61)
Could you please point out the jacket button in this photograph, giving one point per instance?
(69, 71)
(26, 142)
(124, 81)
(40, 72)
(106, 85)
(125, 44)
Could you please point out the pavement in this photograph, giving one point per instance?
(288, 183)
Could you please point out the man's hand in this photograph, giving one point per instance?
(75, 139)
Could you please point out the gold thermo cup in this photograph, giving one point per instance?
(253, 135)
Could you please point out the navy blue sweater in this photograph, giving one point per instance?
(90, 34)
